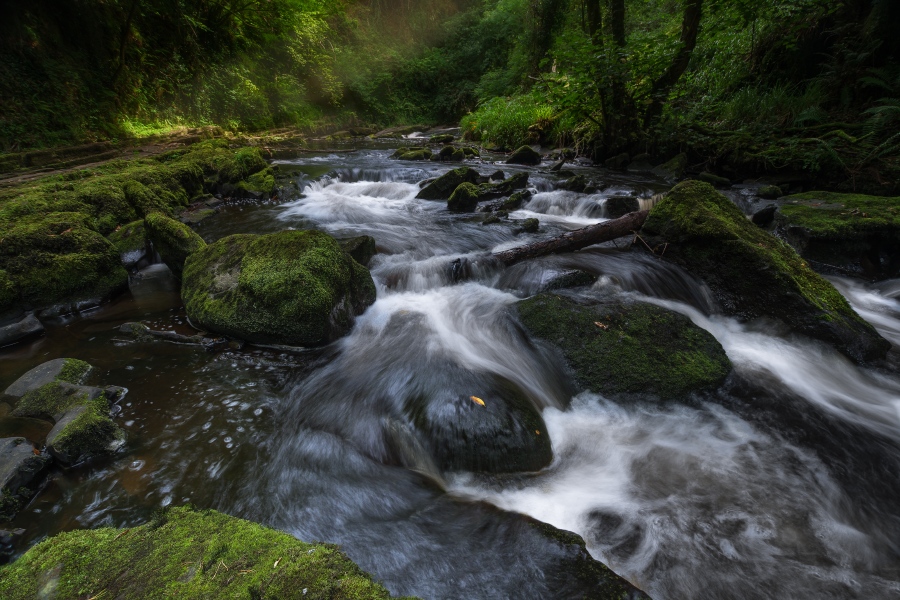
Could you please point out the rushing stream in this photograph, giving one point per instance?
(782, 484)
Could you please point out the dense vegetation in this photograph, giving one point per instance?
(742, 85)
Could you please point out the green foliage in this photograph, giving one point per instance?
(509, 122)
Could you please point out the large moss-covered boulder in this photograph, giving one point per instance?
(186, 553)
(50, 257)
(464, 198)
(524, 155)
(292, 287)
(752, 273)
(69, 370)
(626, 348)
(849, 230)
(173, 241)
(518, 181)
(442, 187)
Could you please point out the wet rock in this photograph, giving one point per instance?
(673, 168)
(769, 192)
(487, 191)
(293, 287)
(524, 155)
(445, 153)
(531, 225)
(361, 248)
(516, 201)
(130, 241)
(640, 164)
(20, 330)
(399, 131)
(714, 180)
(69, 370)
(442, 138)
(196, 216)
(496, 176)
(420, 154)
(575, 184)
(617, 162)
(257, 186)
(173, 241)
(621, 205)
(570, 278)
(853, 231)
(442, 187)
(558, 165)
(478, 422)
(627, 348)
(752, 273)
(21, 469)
(492, 219)
(764, 216)
(464, 198)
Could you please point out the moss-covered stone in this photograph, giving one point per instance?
(618, 348)
(9, 295)
(20, 472)
(186, 553)
(259, 185)
(55, 256)
(524, 155)
(576, 183)
(361, 248)
(531, 225)
(74, 371)
(769, 192)
(419, 154)
(464, 198)
(714, 180)
(292, 287)
(68, 370)
(130, 241)
(51, 229)
(673, 168)
(173, 240)
(441, 138)
(515, 201)
(442, 187)
(516, 182)
(752, 273)
(849, 230)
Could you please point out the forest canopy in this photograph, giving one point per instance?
(605, 76)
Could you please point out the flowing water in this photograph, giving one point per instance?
(782, 484)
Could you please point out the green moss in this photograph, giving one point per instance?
(421, 154)
(464, 198)
(525, 155)
(294, 287)
(617, 348)
(56, 256)
(173, 240)
(9, 295)
(261, 182)
(49, 401)
(531, 225)
(9, 506)
(753, 273)
(443, 186)
(144, 200)
(833, 216)
(88, 435)
(74, 371)
(189, 554)
(129, 238)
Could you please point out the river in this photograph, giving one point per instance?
(784, 483)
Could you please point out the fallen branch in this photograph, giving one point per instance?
(576, 240)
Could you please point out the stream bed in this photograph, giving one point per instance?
(784, 483)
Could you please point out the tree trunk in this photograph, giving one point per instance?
(690, 27)
(617, 21)
(594, 20)
(576, 240)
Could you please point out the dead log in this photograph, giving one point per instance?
(576, 240)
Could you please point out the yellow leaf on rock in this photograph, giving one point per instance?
(477, 400)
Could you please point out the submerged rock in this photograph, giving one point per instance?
(848, 230)
(173, 241)
(293, 287)
(20, 329)
(524, 155)
(442, 187)
(752, 273)
(624, 348)
(184, 549)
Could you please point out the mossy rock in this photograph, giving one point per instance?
(576, 183)
(442, 187)
(524, 155)
(68, 370)
(849, 230)
(441, 138)
(769, 192)
(20, 473)
(516, 182)
(186, 553)
(623, 349)
(618, 206)
(173, 241)
(291, 287)
(130, 241)
(464, 198)
(9, 294)
(714, 180)
(258, 185)
(516, 201)
(420, 154)
(361, 248)
(59, 256)
(531, 225)
(752, 273)
(672, 169)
